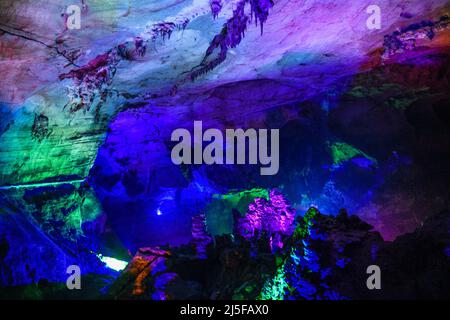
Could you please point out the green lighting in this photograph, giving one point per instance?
(275, 288)
(42, 184)
(219, 211)
(342, 152)
(302, 230)
(243, 198)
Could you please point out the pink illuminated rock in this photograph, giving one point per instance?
(275, 217)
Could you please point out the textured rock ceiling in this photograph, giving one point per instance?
(314, 42)
(306, 47)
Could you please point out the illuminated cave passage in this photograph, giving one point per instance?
(87, 179)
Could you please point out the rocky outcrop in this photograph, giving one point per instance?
(324, 258)
(133, 282)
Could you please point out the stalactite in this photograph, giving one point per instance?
(260, 11)
(405, 38)
(93, 79)
(216, 6)
(232, 33)
(165, 29)
(140, 46)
